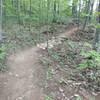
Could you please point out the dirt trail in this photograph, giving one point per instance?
(24, 73)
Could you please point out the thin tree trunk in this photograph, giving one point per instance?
(74, 11)
(18, 13)
(1, 4)
(97, 36)
(87, 12)
(4, 15)
(91, 11)
(48, 7)
(30, 14)
(54, 12)
(79, 12)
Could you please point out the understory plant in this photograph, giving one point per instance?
(90, 59)
(3, 48)
(89, 64)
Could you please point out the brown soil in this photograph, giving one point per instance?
(25, 74)
(19, 82)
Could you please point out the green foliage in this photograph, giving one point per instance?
(85, 14)
(91, 59)
(45, 61)
(96, 13)
(49, 73)
(47, 98)
(3, 53)
(97, 25)
(26, 10)
(78, 98)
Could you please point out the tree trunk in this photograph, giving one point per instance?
(54, 12)
(87, 12)
(75, 11)
(1, 2)
(91, 10)
(97, 36)
(79, 12)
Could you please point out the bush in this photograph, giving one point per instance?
(91, 59)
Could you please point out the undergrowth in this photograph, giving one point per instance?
(3, 54)
(77, 60)
(18, 37)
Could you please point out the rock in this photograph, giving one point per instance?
(61, 90)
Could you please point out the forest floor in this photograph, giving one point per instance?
(25, 78)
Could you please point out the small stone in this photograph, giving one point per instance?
(19, 98)
(59, 98)
(66, 98)
(76, 95)
(61, 90)
(17, 75)
(63, 94)
(10, 73)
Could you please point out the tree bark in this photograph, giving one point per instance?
(87, 12)
(74, 9)
(54, 12)
(97, 36)
(79, 12)
(1, 2)
(91, 10)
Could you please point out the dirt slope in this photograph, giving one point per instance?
(24, 73)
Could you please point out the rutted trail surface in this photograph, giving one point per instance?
(25, 72)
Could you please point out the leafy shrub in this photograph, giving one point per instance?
(91, 59)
